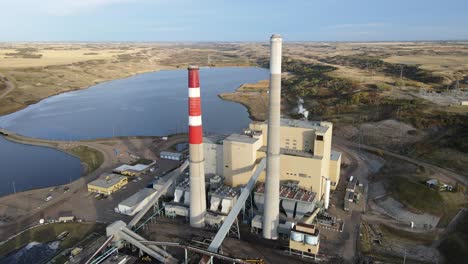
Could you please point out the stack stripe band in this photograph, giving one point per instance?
(194, 106)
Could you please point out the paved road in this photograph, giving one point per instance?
(9, 87)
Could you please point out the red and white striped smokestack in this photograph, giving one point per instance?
(197, 158)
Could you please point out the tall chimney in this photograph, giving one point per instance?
(197, 158)
(272, 181)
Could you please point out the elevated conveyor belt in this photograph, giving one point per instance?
(222, 232)
(170, 180)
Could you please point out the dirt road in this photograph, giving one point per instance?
(9, 87)
(449, 175)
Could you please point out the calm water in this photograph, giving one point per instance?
(147, 104)
(28, 167)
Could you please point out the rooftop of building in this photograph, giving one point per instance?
(171, 153)
(226, 191)
(241, 138)
(214, 139)
(306, 229)
(137, 168)
(335, 155)
(315, 125)
(352, 184)
(107, 180)
(137, 197)
(185, 184)
(291, 192)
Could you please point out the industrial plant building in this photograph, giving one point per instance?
(306, 156)
(288, 165)
(107, 184)
(305, 239)
(135, 169)
(136, 202)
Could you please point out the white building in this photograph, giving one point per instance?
(136, 202)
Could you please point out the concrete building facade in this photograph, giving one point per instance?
(306, 156)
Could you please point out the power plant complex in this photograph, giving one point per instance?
(286, 167)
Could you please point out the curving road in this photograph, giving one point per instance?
(9, 87)
(445, 173)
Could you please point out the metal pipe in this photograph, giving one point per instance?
(197, 158)
(327, 193)
(272, 180)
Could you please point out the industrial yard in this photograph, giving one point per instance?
(342, 152)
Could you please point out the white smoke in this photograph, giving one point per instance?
(300, 108)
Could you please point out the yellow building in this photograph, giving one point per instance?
(107, 184)
(306, 155)
(305, 238)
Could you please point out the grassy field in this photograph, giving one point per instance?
(414, 194)
(446, 65)
(47, 233)
(91, 157)
(42, 70)
(253, 96)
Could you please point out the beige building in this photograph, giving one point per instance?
(107, 184)
(305, 238)
(306, 155)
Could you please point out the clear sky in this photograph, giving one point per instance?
(232, 20)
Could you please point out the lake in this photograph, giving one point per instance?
(150, 104)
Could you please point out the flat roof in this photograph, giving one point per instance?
(304, 124)
(241, 138)
(214, 139)
(107, 180)
(136, 198)
(335, 155)
(226, 191)
(138, 168)
(352, 184)
(170, 153)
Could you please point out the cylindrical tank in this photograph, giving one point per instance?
(311, 240)
(298, 237)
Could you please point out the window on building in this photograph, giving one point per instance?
(320, 138)
(302, 175)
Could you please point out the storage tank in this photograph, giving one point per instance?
(311, 240)
(296, 236)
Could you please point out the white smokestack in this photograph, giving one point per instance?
(272, 180)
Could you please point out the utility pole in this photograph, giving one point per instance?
(14, 187)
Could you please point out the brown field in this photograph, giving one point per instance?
(253, 96)
(41, 70)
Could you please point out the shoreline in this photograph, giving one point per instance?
(33, 102)
(61, 146)
(251, 96)
(162, 68)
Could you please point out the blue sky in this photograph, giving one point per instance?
(241, 20)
